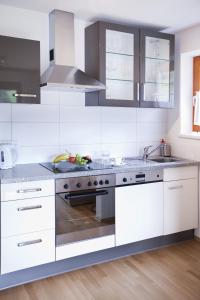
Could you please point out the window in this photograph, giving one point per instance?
(196, 89)
(189, 89)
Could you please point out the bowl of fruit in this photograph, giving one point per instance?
(76, 159)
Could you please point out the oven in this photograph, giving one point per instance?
(85, 208)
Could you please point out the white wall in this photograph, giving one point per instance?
(187, 41)
(62, 121)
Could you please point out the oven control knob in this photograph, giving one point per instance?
(101, 182)
(89, 183)
(78, 185)
(124, 179)
(95, 182)
(107, 181)
(66, 186)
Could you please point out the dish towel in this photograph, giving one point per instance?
(196, 100)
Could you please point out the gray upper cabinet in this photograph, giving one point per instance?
(19, 70)
(156, 69)
(111, 56)
(136, 66)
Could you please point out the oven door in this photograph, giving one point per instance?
(84, 215)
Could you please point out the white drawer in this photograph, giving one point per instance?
(179, 173)
(26, 251)
(24, 190)
(28, 215)
(84, 247)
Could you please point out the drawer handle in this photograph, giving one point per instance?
(177, 187)
(29, 243)
(25, 95)
(29, 190)
(29, 207)
(138, 91)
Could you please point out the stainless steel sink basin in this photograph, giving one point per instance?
(164, 159)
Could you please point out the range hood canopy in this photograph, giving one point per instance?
(62, 74)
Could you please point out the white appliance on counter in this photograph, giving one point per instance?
(8, 155)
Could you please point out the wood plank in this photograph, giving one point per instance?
(164, 274)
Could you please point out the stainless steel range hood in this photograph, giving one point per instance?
(62, 74)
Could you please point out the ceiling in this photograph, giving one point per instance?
(172, 15)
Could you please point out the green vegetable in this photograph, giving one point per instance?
(80, 161)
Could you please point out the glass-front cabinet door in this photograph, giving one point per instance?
(156, 69)
(136, 66)
(120, 58)
(112, 56)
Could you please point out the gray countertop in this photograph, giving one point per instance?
(30, 172)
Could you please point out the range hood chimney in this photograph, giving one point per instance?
(62, 73)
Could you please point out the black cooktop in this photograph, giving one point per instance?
(65, 167)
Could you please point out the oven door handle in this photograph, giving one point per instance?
(100, 193)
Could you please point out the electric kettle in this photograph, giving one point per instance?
(8, 155)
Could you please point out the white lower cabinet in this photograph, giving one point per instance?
(28, 250)
(180, 205)
(29, 215)
(84, 247)
(27, 224)
(27, 190)
(139, 212)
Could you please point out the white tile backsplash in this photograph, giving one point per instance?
(5, 112)
(118, 114)
(62, 122)
(50, 97)
(79, 133)
(35, 113)
(120, 149)
(157, 115)
(72, 99)
(37, 154)
(148, 131)
(118, 132)
(36, 134)
(5, 131)
(76, 114)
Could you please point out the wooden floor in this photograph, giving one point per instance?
(169, 273)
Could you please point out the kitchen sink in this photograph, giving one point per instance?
(164, 159)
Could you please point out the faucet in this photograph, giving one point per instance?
(147, 153)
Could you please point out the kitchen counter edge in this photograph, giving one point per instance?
(35, 172)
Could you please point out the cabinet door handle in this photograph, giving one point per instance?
(29, 207)
(144, 92)
(29, 190)
(176, 187)
(22, 244)
(138, 91)
(25, 95)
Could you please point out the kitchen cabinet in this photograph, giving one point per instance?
(139, 212)
(27, 211)
(112, 56)
(156, 69)
(180, 200)
(27, 224)
(27, 250)
(19, 70)
(27, 190)
(136, 66)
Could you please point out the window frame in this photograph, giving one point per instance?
(196, 87)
